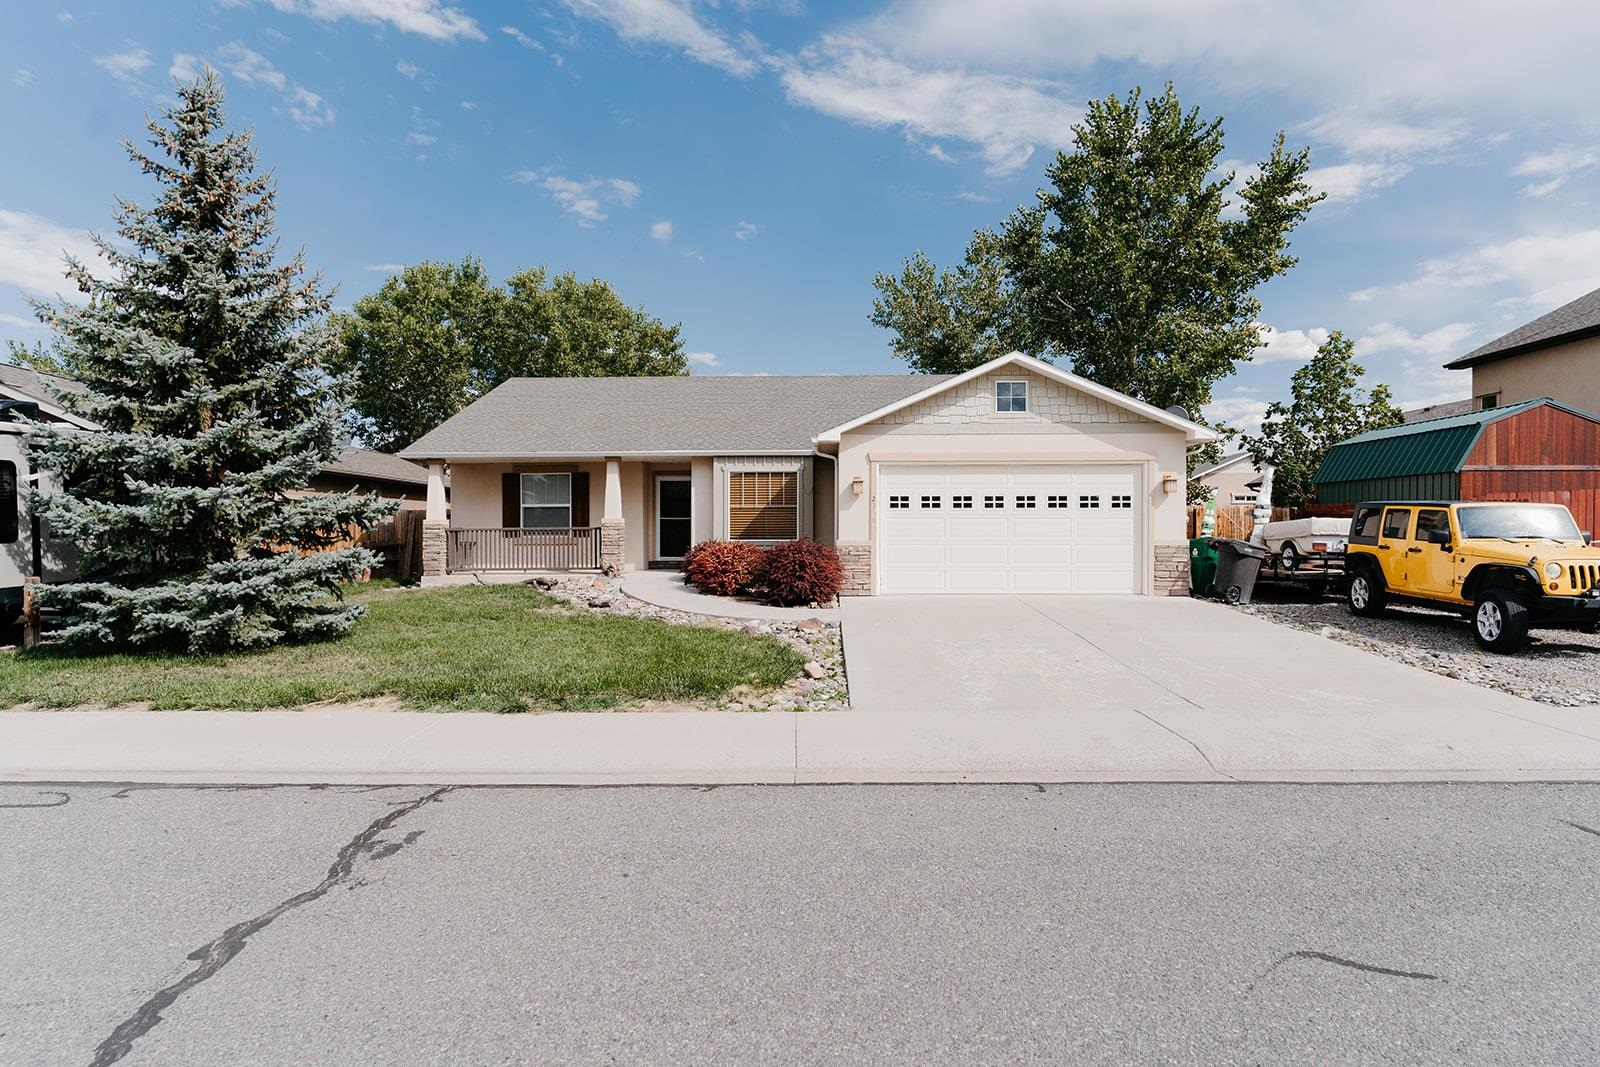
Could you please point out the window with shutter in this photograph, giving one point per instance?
(763, 505)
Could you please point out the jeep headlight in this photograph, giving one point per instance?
(1552, 570)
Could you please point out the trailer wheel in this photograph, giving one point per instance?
(1289, 557)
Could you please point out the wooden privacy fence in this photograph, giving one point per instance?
(1236, 521)
(398, 540)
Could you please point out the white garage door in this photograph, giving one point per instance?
(1025, 529)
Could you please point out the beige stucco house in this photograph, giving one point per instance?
(1235, 481)
(1556, 356)
(1013, 477)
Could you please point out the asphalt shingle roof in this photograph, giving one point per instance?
(706, 415)
(1437, 411)
(1568, 322)
(36, 386)
(365, 463)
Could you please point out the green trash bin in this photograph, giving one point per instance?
(1202, 566)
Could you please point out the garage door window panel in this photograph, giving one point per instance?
(764, 505)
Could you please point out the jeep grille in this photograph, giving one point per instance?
(1582, 577)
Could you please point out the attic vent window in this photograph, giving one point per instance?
(1011, 396)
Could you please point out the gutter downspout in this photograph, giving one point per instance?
(815, 451)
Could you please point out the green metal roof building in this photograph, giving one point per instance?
(1413, 461)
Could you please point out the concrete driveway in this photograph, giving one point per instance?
(1173, 686)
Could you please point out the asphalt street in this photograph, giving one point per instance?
(1107, 923)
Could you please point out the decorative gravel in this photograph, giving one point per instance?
(1560, 667)
(821, 688)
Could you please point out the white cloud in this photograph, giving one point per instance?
(583, 200)
(1555, 166)
(1541, 270)
(429, 18)
(385, 268)
(468, 105)
(1348, 182)
(63, 17)
(302, 106)
(1444, 342)
(185, 67)
(421, 138)
(662, 231)
(625, 191)
(1239, 411)
(746, 230)
(669, 23)
(1381, 136)
(33, 250)
(125, 66)
(1006, 116)
(1375, 55)
(1284, 345)
(703, 359)
(528, 42)
(22, 78)
(19, 322)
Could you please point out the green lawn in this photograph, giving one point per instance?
(494, 648)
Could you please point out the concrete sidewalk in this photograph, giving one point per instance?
(1532, 743)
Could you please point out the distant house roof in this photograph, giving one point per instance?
(1437, 411)
(1436, 446)
(46, 390)
(1227, 462)
(663, 415)
(363, 464)
(1569, 322)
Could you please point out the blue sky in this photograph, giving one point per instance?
(745, 167)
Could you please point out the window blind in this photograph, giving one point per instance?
(764, 505)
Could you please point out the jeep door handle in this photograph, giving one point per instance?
(1385, 547)
(1413, 549)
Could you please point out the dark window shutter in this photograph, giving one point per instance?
(580, 498)
(511, 499)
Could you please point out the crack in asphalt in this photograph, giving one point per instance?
(1580, 826)
(216, 954)
(1340, 961)
(48, 804)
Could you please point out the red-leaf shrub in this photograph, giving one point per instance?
(722, 568)
(801, 572)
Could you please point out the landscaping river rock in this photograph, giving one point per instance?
(820, 686)
(1560, 667)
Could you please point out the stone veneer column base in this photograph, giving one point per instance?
(612, 541)
(1172, 569)
(856, 556)
(435, 549)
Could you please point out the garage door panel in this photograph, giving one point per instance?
(1073, 539)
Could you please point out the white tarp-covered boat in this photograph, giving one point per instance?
(1301, 537)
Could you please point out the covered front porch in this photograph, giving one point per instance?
(510, 515)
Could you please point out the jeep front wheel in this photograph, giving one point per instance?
(1364, 595)
(1500, 621)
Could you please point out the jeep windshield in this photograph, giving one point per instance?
(1550, 522)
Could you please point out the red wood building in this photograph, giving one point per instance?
(1540, 451)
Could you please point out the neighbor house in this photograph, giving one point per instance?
(1537, 450)
(27, 549)
(1236, 480)
(363, 470)
(1013, 477)
(1556, 355)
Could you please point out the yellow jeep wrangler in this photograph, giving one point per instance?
(1508, 566)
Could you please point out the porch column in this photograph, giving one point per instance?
(435, 527)
(611, 524)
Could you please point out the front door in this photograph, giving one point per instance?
(674, 508)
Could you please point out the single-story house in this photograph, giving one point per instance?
(1015, 476)
(1538, 450)
(1556, 355)
(27, 548)
(363, 470)
(1236, 480)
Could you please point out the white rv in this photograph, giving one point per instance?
(26, 547)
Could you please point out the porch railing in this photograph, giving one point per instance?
(561, 548)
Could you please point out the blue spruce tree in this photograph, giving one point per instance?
(202, 360)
